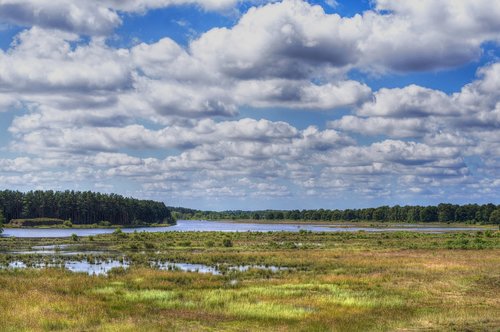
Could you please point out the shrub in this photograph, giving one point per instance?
(119, 233)
(34, 222)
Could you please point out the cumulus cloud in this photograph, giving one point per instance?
(409, 102)
(42, 60)
(245, 136)
(418, 112)
(293, 39)
(92, 17)
(163, 119)
(400, 128)
(301, 94)
(289, 40)
(87, 17)
(9, 102)
(144, 5)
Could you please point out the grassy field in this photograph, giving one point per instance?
(332, 282)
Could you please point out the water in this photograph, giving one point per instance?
(186, 267)
(54, 249)
(217, 270)
(103, 267)
(224, 226)
(56, 252)
(83, 266)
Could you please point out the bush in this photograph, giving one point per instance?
(119, 233)
(74, 237)
(34, 222)
(227, 243)
(68, 223)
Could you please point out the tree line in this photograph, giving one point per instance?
(2, 220)
(446, 213)
(82, 208)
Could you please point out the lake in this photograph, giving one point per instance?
(226, 226)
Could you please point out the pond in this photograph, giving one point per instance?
(104, 266)
(218, 269)
(84, 266)
(226, 226)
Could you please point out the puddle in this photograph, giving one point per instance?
(103, 267)
(51, 247)
(186, 267)
(55, 252)
(97, 268)
(216, 270)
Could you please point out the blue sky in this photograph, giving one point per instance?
(226, 104)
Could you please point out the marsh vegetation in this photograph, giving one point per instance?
(315, 281)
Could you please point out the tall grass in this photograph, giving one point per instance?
(334, 282)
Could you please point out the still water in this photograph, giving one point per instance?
(103, 267)
(226, 226)
(83, 266)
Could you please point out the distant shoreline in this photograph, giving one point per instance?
(347, 224)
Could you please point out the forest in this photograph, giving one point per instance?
(81, 208)
(444, 213)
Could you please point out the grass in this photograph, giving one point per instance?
(334, 282)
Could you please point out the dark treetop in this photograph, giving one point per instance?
(82, 208)
(447, 213)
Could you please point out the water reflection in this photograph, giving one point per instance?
(225, 226)
(83, 266)
(103, 267)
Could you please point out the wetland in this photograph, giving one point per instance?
(249, 280)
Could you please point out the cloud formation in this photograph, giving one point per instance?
(165, 120)
(92, 17)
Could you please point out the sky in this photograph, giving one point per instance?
(253, 104)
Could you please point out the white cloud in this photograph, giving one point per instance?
(42, 60)
(90, 17)
(439, 118)
(411, 101)
(289, 40)
(162, 118)
(400, 128)
(301, 94)
(85, 17)
(293, 39)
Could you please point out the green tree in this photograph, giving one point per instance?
(429, 214)
(2, 220)
(495, 217)
(82, 207)
(446, 212)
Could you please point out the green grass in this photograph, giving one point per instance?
(334, 282)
